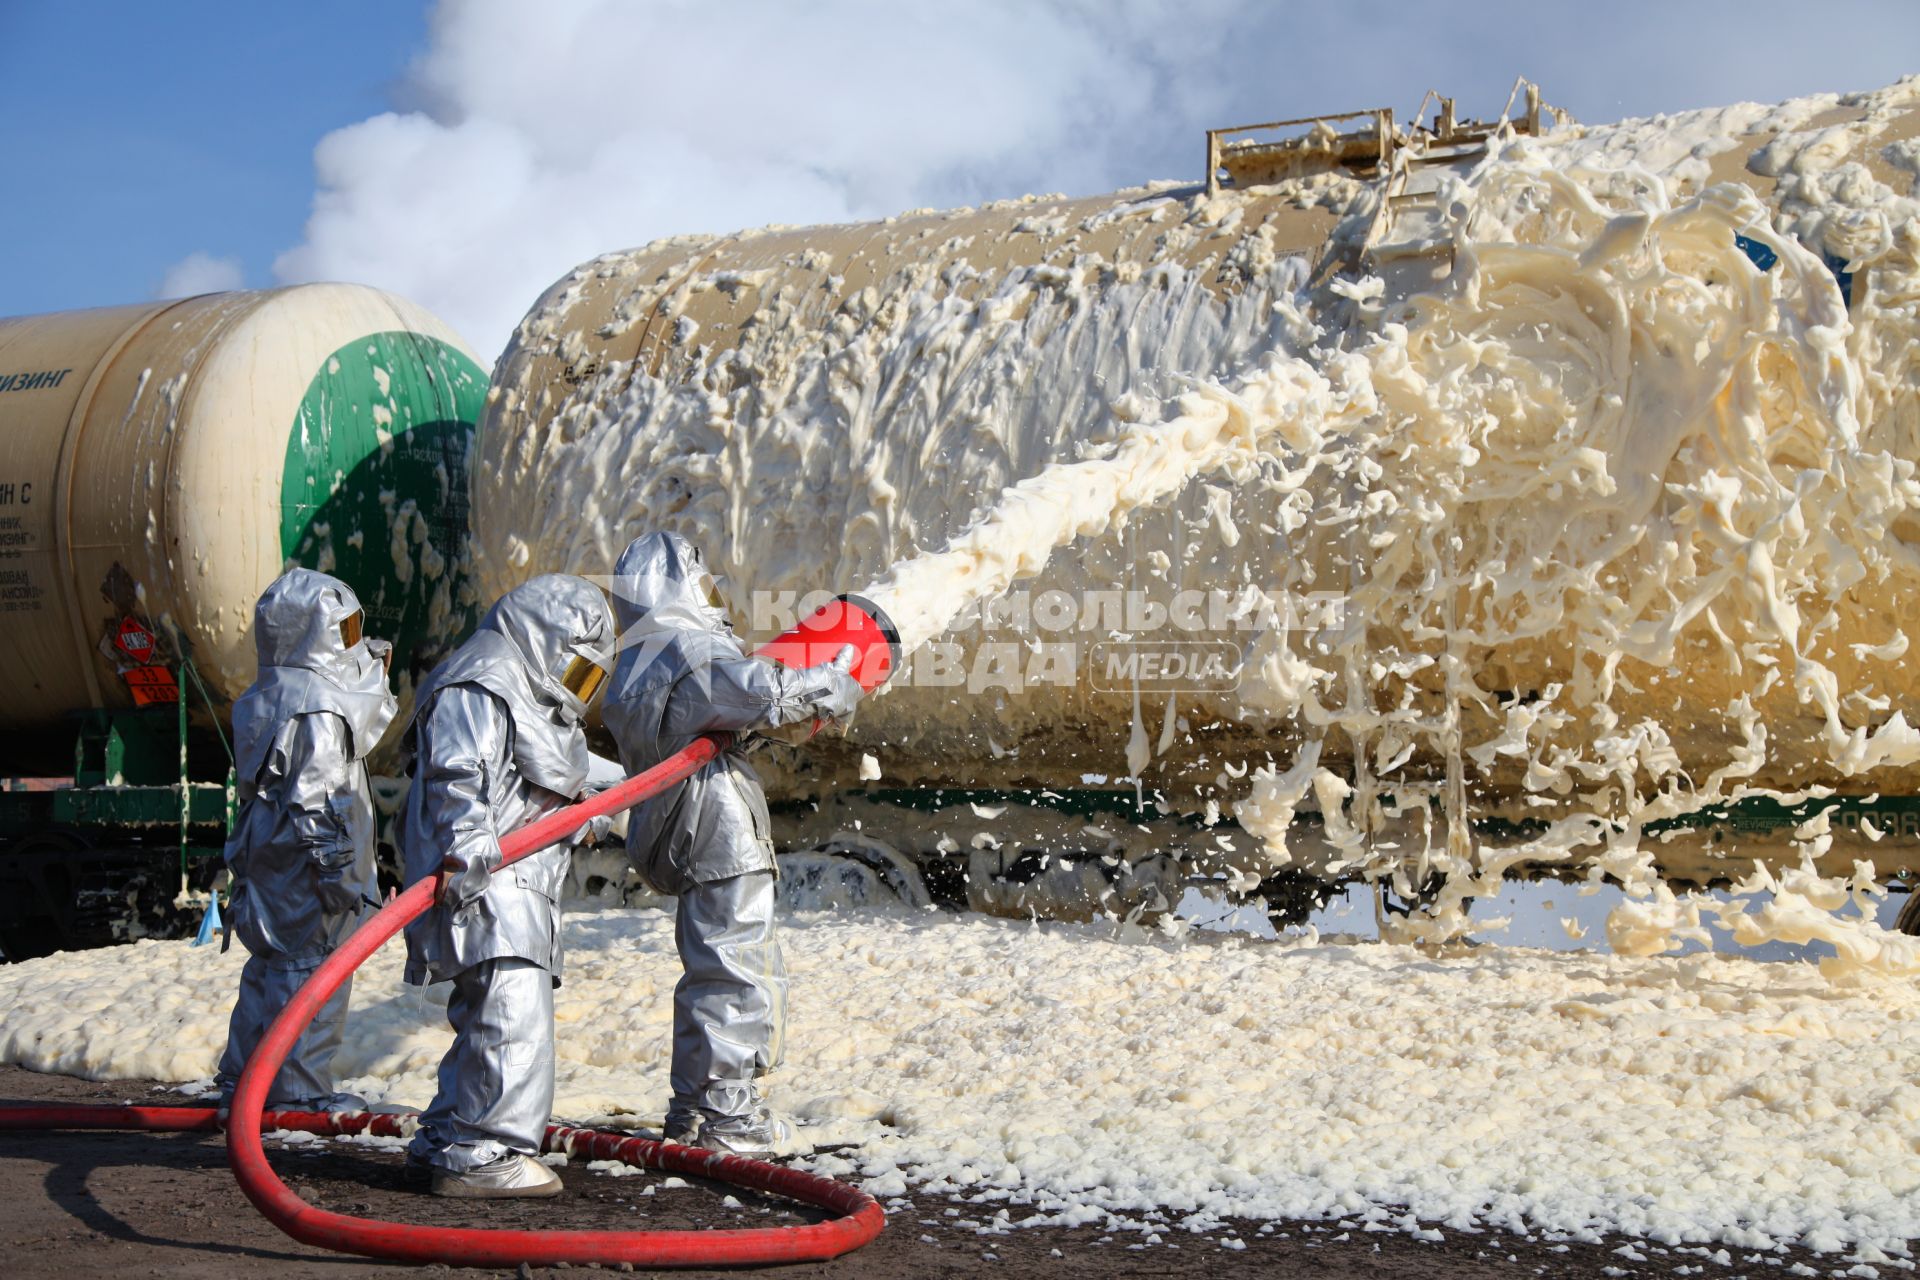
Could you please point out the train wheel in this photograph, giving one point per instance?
(1292, 896)
(849, 871)
(29, 940)
(1909, 921)
(38, 864)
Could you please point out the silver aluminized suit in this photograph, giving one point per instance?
(681, 673)
(302, 848)
(496, 741)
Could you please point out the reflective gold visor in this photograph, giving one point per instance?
(583, 679)
(352, 627)
(710, 591)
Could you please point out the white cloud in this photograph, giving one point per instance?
(545, 136)
(201, 272)
(540, 135)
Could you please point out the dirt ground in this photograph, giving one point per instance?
(134, 1204)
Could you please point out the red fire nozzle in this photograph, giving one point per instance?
(844, 620)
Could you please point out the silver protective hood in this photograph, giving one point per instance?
(658, 590)
(306, 666)
(681, 674)
(519, 654)
(668, 627)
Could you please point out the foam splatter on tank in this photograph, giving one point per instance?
(1574, 464)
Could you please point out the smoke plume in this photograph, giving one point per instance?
(533, 137)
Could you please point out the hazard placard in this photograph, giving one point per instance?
(135, 639)
(151, 686)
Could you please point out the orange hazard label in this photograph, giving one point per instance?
(151, 686)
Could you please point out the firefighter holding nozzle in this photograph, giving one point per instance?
(708, 840)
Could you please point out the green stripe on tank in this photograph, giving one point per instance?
(375, 486)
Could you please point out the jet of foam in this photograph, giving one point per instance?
(1608, 426)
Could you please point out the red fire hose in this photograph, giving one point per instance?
(860, 1216)
(848, 620)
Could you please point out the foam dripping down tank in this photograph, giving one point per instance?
(813, 404)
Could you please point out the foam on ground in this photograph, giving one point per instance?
(1088, 1072)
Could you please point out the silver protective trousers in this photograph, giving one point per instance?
(730, 1007)
(305, 1082)
(496, 1080)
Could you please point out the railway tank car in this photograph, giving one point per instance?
(812, 404)
(159, 465)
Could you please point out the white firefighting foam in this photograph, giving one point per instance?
(1078, 1071)
(1610, 453)
(1619, 504)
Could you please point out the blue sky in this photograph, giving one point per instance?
(467, 154)
(136, 134)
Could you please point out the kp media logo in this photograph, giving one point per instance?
(1164, 666)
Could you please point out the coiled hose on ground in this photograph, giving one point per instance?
(860, 1217)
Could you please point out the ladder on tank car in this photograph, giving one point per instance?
(1411, 166)
(1409, 223)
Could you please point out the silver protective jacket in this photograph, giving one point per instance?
(681, 673)
(497, 741)
(302, 849)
